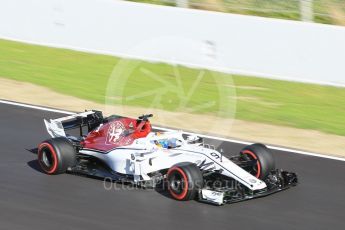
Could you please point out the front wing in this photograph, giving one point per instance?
(277, 181)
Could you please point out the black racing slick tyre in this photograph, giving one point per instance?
(184, 181)
(56, 155)
(264, 160)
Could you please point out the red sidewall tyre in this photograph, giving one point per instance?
(258, 164)
(56, 155)
(184, 181)
(46, 147)
(183, 194)
(265, 160)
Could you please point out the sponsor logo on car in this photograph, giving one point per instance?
(115, 131)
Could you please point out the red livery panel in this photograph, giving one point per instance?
(116, 133)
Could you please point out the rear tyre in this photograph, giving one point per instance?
(264, 160)
(56, 155)
(184, 181)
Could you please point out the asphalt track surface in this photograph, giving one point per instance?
(29, 199)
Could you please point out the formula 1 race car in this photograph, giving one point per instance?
(127, 150)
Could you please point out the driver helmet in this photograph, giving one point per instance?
(166, 143)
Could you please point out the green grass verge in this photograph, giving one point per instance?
(87, 75)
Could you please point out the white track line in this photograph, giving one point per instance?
(36, 107)
(201, 135)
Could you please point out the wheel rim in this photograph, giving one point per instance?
(177, 184)
(256, 169)
(47, 158)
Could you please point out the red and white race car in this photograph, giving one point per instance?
(127, 150)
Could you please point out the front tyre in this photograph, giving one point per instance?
(184, 181)
(264, 161)
(56, 155)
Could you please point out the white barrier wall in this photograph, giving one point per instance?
(234, 43)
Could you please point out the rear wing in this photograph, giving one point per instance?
(57, 127)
